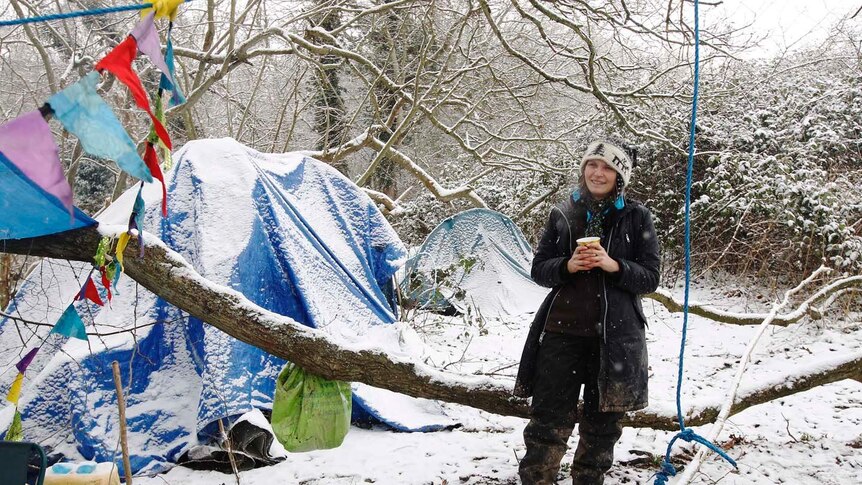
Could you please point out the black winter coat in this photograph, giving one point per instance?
(632, 242)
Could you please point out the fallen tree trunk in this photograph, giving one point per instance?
(796, 380)
(168, 275)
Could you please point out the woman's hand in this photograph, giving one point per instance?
(578, 261)
(592, 256)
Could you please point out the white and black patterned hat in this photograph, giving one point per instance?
(611, 154)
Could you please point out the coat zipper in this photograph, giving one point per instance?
(605, 291)
(602, 369)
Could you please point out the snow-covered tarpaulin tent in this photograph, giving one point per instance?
(477, 260)
(290, 233)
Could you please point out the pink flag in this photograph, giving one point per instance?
(148, 43)
(27, 141)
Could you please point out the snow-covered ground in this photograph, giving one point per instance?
(811, 437)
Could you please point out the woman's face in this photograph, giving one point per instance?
(600, 178)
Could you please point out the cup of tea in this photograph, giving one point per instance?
(586, 241)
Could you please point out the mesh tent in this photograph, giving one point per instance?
(477, 260)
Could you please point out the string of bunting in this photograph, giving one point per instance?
(70, 325)
(163, 8)
(27, 142)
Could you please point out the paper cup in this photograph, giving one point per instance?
(588, 240)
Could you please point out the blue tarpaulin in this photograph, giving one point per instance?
(288, 232)
(27, 210)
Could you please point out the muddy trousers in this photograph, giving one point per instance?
(565, 363)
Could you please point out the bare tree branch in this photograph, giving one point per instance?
(37, 44)
(806, 308)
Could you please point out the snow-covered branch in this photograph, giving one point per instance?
(427, 180)
(807, 307)
(731, 394)
(369, 140)
(168, 275)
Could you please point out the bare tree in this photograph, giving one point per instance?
(484, 78)
(329, 119)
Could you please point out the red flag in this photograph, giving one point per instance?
(119, 63)
(152, 161)
(90, 292)
(105, 281)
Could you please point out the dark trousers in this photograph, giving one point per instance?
(565, 363)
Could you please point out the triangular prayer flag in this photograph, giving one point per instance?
(84, 114)
(152, 161)
(122, 242)
(114, 275)
(15, 391)
(28, 143)
(102, 251)
(177, 97)
(119, 63)
(111, 270)
(154, 138)
(136, 219)
(15, 432)
(148, 43)
(70, 324)
(25, 362)
(90, 292)
(106, 282)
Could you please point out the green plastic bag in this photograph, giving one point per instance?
(310, 412)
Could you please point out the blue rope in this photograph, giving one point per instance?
(79, 13)
(687, 434)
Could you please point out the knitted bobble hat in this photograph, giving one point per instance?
(611, 154)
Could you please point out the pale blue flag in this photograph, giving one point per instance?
(70, 324)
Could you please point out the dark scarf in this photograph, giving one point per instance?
(598, 209)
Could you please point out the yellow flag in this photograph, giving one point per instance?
(163, 8)
(15, 392)
(121, 246)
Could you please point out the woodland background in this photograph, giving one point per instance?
(437, 106)
(433, 107)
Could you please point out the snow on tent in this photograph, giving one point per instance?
(475, 260)
(290, 233)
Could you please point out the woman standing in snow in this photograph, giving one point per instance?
(590, 330)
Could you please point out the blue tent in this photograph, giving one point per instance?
(477, 260)
(290, 233)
